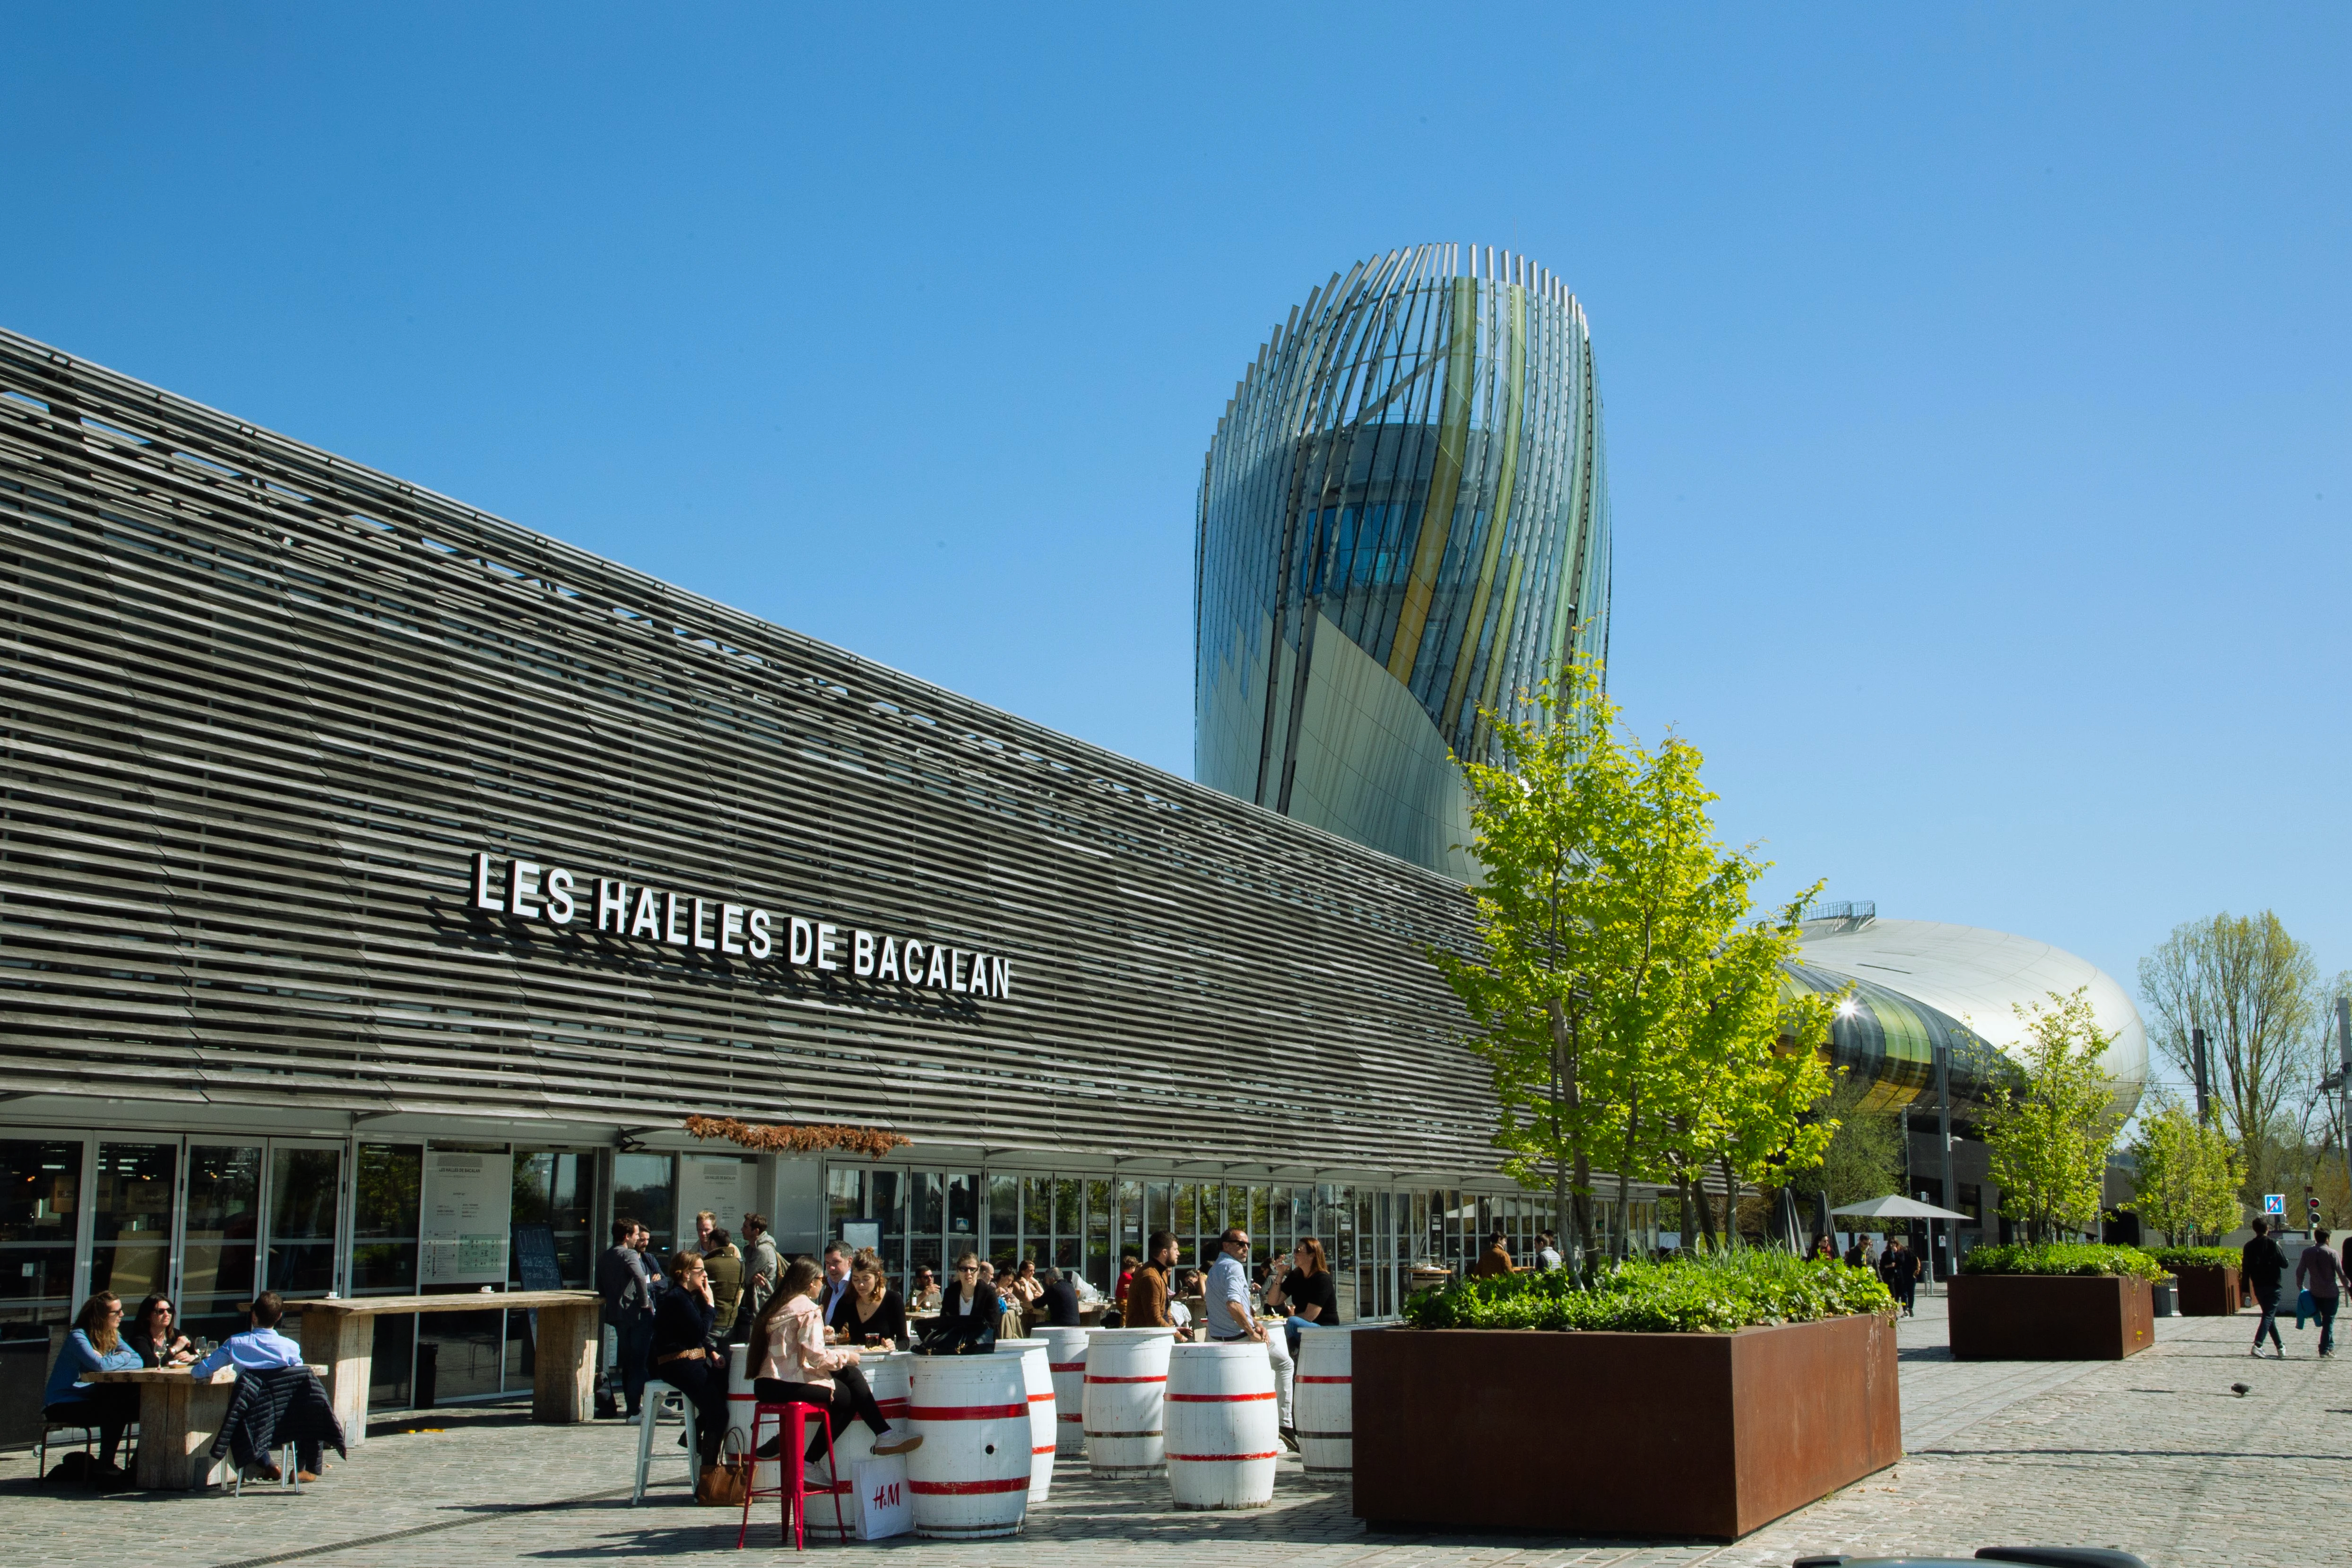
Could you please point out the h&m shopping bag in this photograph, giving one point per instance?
(883, 1508)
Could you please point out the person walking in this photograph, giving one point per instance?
(2262, 1266)
(2319, 1272)
(626, 1285)
(1899, 1266)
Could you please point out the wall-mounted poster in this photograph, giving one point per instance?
(721, 1183)
(468, 1204)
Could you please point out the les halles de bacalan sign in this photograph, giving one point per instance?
(523, 889)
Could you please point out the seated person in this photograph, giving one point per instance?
(683, 1324)
(790, 1363)
(927, 1292)
(1059, 1299)
(876, 1312)
(95, 1345)
(257, 1349)
(155, 1334)
(969, 1316)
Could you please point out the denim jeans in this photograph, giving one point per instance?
(2323, 1307)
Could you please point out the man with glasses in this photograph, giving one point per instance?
(1227, 1315)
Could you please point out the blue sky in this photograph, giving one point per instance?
(1977, 377)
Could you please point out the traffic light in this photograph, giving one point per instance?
(2311, 1203)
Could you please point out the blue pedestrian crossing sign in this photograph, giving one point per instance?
(2274, 1203)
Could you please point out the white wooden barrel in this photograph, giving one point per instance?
(1322, 1408)
(1127, 1381)
(1065, 1352)
(886, 1374)
(1037, 1376)
(970, 1477)
(1223, 1430)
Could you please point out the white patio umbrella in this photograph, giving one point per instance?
(1896, 1206)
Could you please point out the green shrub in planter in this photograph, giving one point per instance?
(2061, 1257)
(1712, 1293)
(2179, 1257)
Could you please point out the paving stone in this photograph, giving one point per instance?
(2154, 1455)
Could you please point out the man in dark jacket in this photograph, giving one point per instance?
(1899, 1266)
(2262, 1265)
(627, 1286)
(1059, 1300)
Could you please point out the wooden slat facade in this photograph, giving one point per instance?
(264, 705)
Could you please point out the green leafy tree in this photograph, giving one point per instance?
(1629, 1016)
(1862, 1158)
(2189, 1176)
(2049, 1143)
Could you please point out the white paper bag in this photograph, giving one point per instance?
(884, 1508)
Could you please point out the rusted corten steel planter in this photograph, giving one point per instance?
(2046, 1317)
(1627, 1434)
(2208, 1292)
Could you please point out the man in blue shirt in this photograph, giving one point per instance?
(261, 1347)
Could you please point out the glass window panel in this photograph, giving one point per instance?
(1261, 1215)
(963, 1207)
(1036, 1213)
(386, 1189)
(224, 1221)
(302, 1196)
(645, 1189)
(1066, 1211)
(1185, 1199)
(1003, 1219)
(1130, 1218)
(40, 1183)
(1098, 1263)
(557, 1188)
(845, 1198)
(131, 1219)
(396, 1346)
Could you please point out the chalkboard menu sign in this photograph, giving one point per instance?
(534, 1253)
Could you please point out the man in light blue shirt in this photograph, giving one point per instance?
(1226, 1307)
(259, 1348)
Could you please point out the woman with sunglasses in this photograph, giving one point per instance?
(95, 1345)
(967, 1321)
(155, 1334)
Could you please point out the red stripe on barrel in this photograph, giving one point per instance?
(1326, 1380)
(1091, 1378)
(969, 1413)
(1068, 1365)
(1221, 1458)
(1217, 1398)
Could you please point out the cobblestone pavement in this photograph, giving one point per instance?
(2155, 1454)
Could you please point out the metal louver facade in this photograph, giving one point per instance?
(1404, 524)
(265, 706)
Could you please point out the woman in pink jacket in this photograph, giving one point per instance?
(793, 1363)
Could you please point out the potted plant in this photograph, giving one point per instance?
(1759, 1381)
(2057, 1302)
(2208, 1277)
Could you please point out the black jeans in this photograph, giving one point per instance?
(636, 1339)
(850, 1399)
(2323, 1307)
(704, 1381)
(2268, 1301)
(109, 1406)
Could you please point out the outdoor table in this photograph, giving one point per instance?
(341, 1331)
(179, 1413)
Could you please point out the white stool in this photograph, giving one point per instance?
(658, 1396)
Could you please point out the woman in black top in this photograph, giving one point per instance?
(875, 1310)
(681, 1351)
(1307, 1290)
(156, 1336)
(967, 1321)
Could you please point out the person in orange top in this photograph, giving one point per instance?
(1496, 1259)
(794, 1363)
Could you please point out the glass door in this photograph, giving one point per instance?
(131, 1203)
(222, 1230)
(40, 1196)
(305, 1188)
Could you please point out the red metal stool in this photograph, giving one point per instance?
(792, 1419)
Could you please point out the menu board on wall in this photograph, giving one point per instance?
(721, 1185)
(469, 1203)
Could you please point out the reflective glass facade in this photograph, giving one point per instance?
(1403, 520)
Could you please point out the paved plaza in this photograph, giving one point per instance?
(2154, 1455)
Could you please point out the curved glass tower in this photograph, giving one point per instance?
(1404, 519)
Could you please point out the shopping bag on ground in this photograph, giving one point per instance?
(883, 1509)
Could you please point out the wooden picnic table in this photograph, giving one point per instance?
(179, 1413)
(341, 1331)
